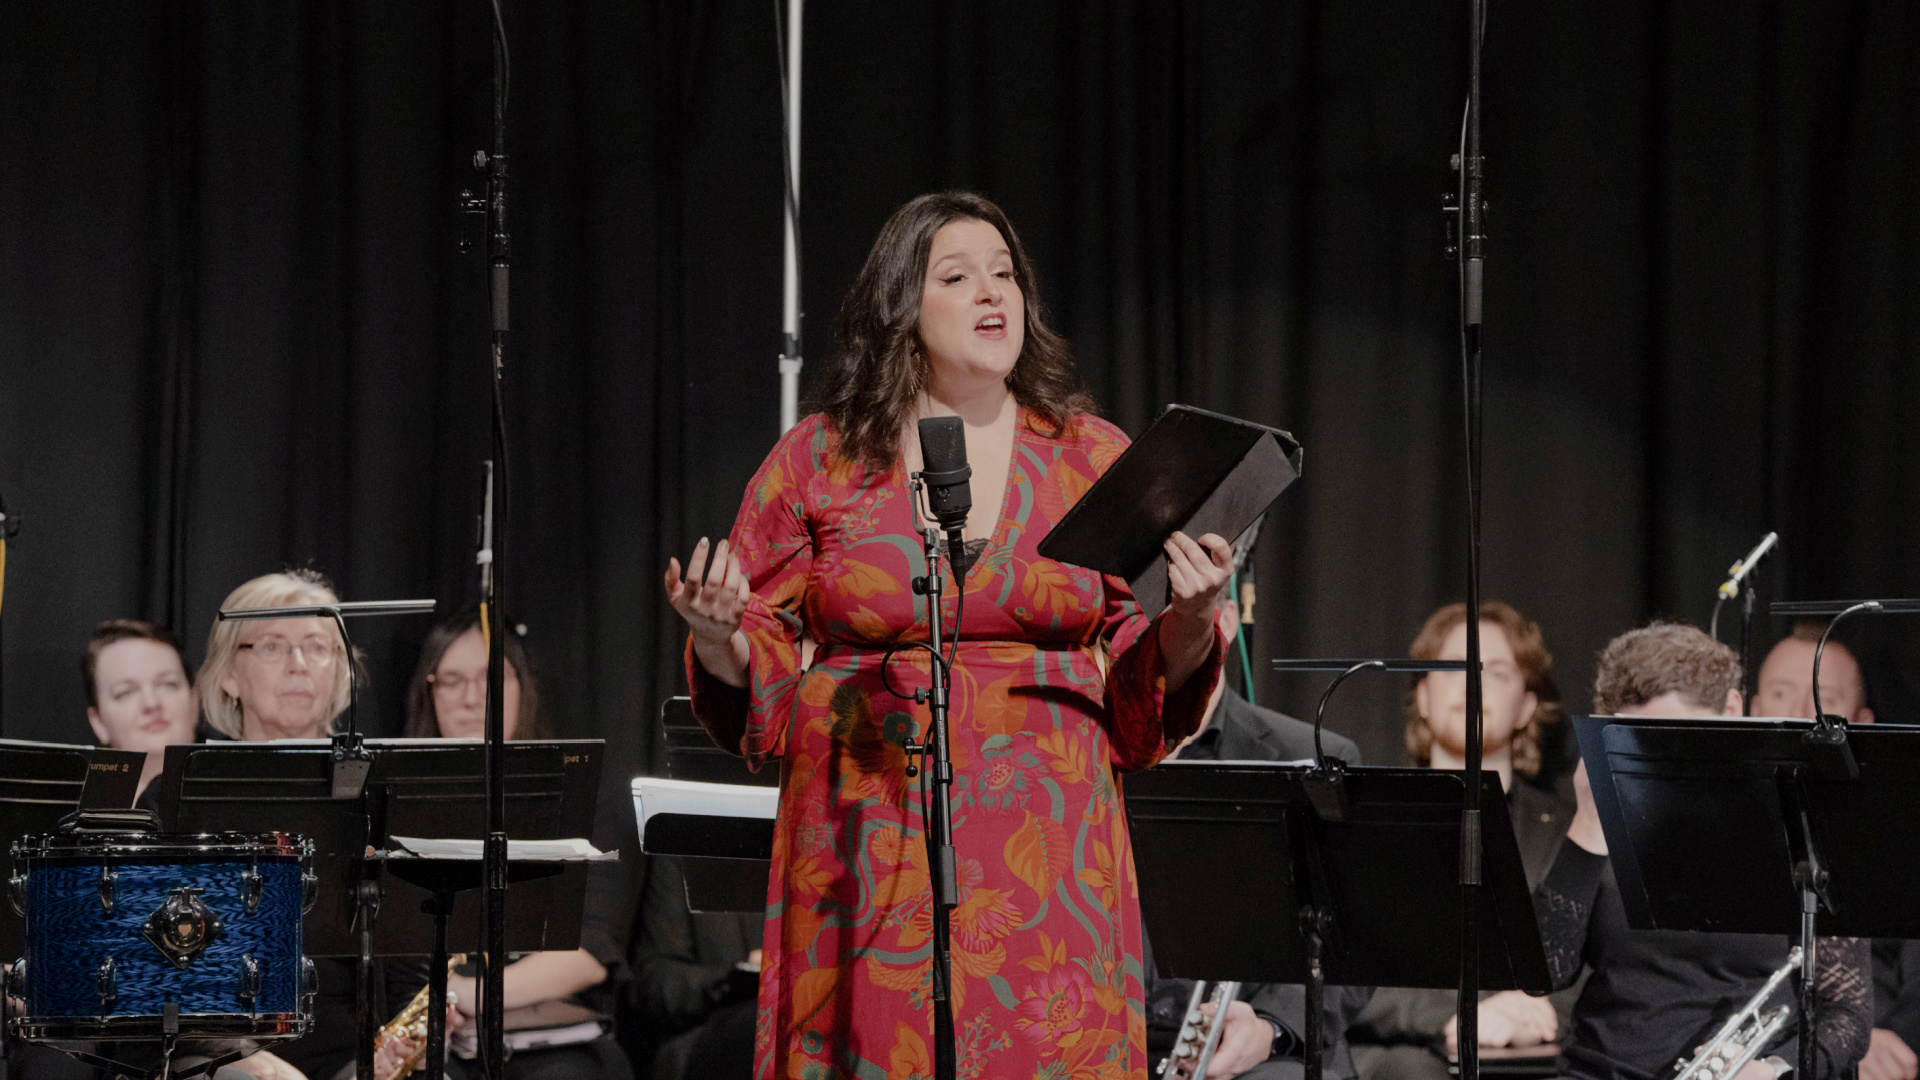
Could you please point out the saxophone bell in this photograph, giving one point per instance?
(409, 1028)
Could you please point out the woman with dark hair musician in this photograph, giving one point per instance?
(1061, 683)
(448, 699)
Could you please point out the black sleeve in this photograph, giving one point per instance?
(1283, 1004)
(604, 920)
(1399, 1014)
(671, 986)
(1896, 989)
(1563, 904)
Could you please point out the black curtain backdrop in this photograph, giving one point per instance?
(235, 333)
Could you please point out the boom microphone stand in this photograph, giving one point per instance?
(1467, 208)
(9, 528)
(492, 208)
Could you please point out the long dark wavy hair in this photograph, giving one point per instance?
(880, 369)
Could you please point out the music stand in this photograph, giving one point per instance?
(412, 787)
(40, 783)
(733, 883)
(722, 833)
(1742, 825)
(1308, 886)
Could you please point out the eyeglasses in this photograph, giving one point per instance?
(453, 682)
(318, 650)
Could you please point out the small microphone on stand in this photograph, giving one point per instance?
(943, 457)
(1739, 571)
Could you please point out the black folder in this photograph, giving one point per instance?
(1194, 471)
(40, 783)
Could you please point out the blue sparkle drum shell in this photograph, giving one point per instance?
(123, 930)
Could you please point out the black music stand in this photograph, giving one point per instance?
(693, 755)
(1354, 884)
(725, 845)
(444, 879)
(40, 783)
(733, 883)
(411, 787)
(1745, 825)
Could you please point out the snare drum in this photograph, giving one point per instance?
(135, 937)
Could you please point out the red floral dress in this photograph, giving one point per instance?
(1046, 939)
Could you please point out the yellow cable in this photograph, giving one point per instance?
(486, 632)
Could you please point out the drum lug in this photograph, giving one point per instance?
(309, 890)
(251, 884)
(309, 985)
(109, 878)
(104, 986)
(249, 989)
(17, 892)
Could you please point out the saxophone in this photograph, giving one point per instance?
(410, 1025)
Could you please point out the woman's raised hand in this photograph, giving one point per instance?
(712, 597)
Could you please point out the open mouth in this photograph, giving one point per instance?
(993, 325)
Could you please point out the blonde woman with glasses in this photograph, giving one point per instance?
(269, 679)
(276, 678)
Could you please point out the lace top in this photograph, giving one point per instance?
(1655, 995)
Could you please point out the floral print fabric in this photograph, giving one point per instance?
(1058, 687)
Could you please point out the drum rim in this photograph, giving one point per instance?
(98, 845)
(145, 1027)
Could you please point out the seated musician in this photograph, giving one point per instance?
(1786, 689)
(287, 679)
(695, 980)
(1654, 997)
(138, 695)
(1263, 1035)
(448, 699)
(1405, 1033)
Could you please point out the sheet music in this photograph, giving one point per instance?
(655, 795)
(574, 849)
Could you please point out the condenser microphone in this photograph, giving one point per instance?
(944, 468)
(1739, 571)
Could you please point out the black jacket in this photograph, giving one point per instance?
(1896, 988)
(1400, 1015)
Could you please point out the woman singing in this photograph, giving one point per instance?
(1060, 684)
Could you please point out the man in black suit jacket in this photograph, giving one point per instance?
(1264, 1034)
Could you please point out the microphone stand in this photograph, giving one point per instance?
(1326, 788)
(9, 528)
(1466, 209)
(1748, 678)
(790, 211)
(492, 209)
(941, 864)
